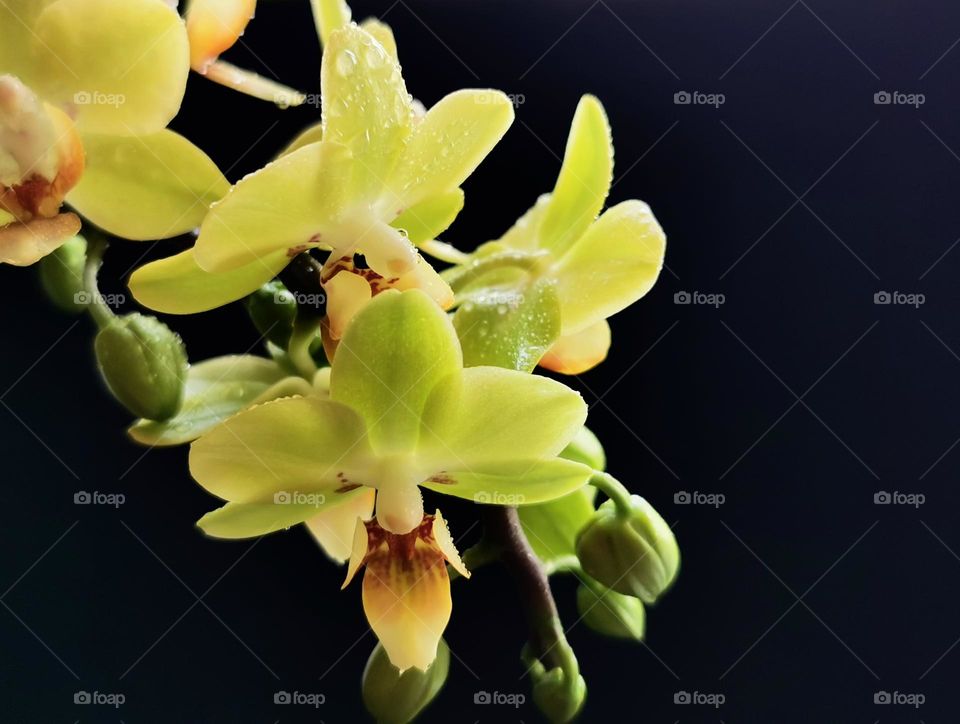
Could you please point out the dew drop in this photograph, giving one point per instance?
(346, 62)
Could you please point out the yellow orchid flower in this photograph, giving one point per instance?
(380, 181)
(403, 414)
(545, 289)
(88, 87)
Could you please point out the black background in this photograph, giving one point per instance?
(799, 597)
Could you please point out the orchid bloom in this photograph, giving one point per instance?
(403, 414)
(87, 88)
(564, 261)
(380, 180)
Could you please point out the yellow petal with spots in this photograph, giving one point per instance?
(407, 602)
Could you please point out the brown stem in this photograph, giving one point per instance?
(502, 526)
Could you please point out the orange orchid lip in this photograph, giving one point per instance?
(406, 588)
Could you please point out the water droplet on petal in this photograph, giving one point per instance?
(346, 62)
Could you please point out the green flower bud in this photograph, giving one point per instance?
(395, 698)
(144, 364)
(633, 551)
(557, 695)
(586, 448)
(61, 275)
(272, 310)
(609, 612)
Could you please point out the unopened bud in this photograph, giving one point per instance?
(558, 695)
(61, 275)
(144, 363)
(610, 613)
(395, 698)
(633, 551)
(272, 310)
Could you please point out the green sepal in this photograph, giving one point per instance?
(610, 613)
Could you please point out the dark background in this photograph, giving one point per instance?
(798, 398)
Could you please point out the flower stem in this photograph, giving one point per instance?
(547, 640)
(302, 277)
(100, 312)
(613, 489)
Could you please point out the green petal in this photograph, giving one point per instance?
(520, 482)
(146, 187)
(552, 527)
(511, 329)
(285, 205)
(123, 64)
(613, 264)
(249, 520)
(584, 179)
(297, 445)
(430, 218)
(365, 106)
(393, 354)
(329, 15)
(177, 285)
(449, 143)
(490, 415)
(217, 389)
